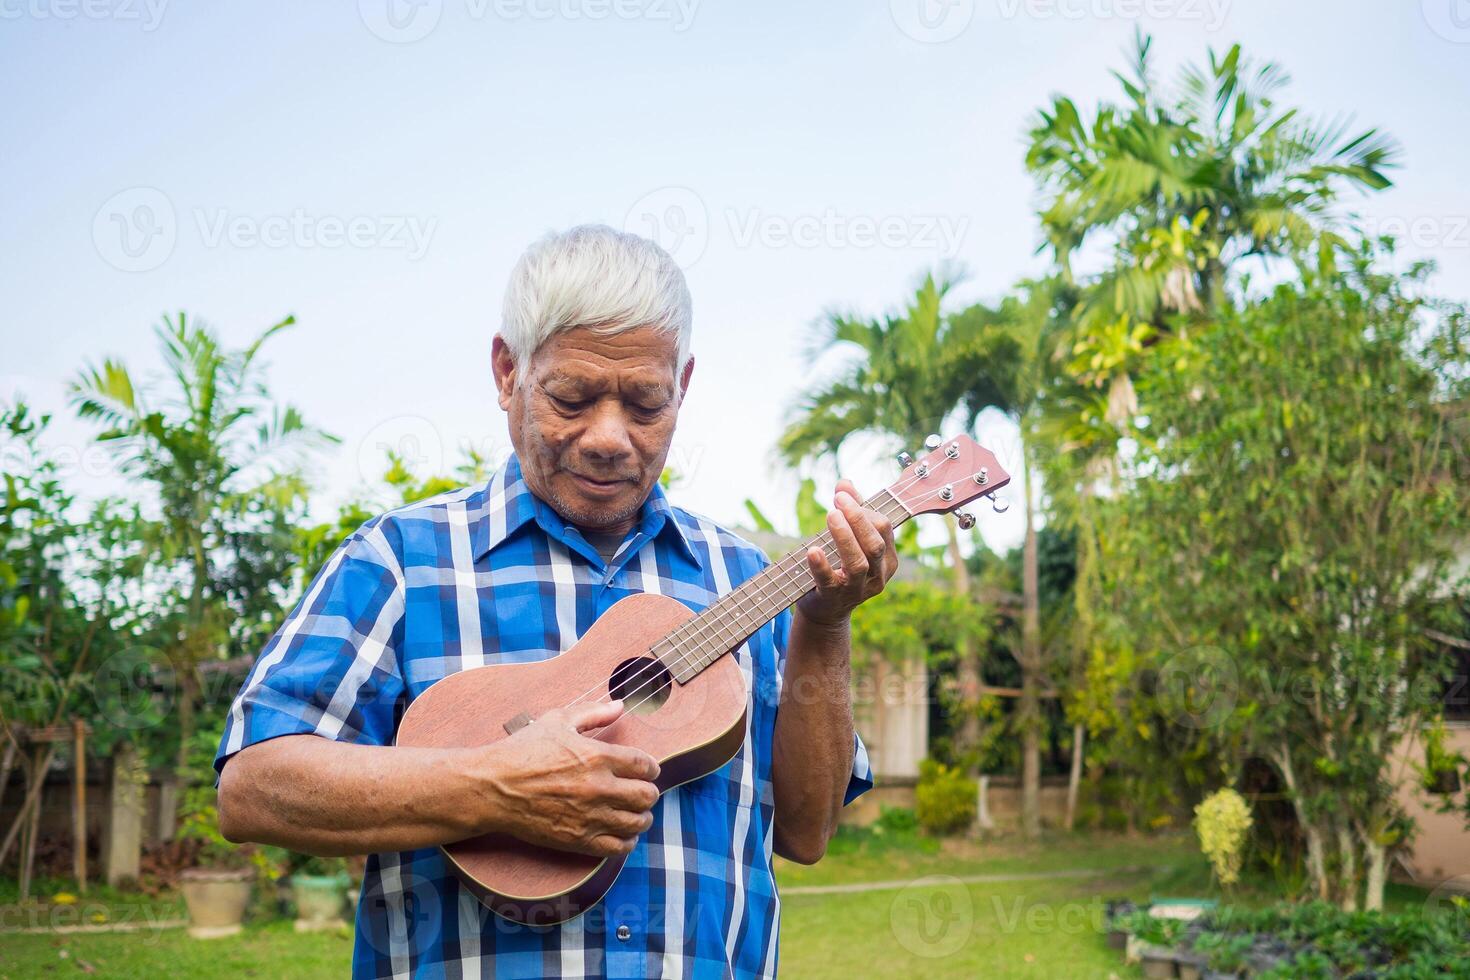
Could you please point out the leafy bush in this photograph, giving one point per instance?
(1222, 819)
(946, 799)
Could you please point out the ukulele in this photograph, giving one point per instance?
(684, 701)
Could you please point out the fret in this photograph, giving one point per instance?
(735, 616)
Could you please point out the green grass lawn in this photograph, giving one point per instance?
(924, 921)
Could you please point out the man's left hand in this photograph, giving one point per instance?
(865, 552)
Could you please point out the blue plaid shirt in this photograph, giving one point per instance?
(492, 574)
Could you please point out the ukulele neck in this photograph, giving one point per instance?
(700, 641)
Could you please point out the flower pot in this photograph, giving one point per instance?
(319, 901)
(1117, 938)
(1159, 964)
(216, 899)
(1191, 966)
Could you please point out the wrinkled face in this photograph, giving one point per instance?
(591, 420)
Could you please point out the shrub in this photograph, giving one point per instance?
(946, 799)
(1222, 820)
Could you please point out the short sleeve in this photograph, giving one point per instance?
(861, 779)
(332, 669)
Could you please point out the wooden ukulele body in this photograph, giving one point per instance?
(697, 729)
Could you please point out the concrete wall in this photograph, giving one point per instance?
(891, 713)
(1441, 850)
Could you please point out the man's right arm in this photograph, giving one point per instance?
(548, 784)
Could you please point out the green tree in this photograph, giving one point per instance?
(1182, 182)
(1286, 540)
(203, 440)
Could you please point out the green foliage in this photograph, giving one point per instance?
(946, 799)
(199, 817)
(1287, 536)
(316, 866)
(216, 454)
(70, 606)
(916, 620)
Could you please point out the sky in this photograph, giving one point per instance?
(374, 168)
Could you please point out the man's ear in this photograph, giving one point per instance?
(684, 377)
(503, 365)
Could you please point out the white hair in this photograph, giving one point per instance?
(596, 277)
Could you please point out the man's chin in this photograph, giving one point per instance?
(595, 510)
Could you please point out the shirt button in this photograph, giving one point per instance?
(624, 933)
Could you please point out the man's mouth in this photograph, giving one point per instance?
(595, 485)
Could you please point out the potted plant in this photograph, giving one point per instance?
(217, 888)
(319, 888)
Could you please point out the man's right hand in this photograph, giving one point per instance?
(550, 784)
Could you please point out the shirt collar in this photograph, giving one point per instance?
(510, 504)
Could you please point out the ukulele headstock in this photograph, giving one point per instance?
(949, 475)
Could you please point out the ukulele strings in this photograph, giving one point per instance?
(685, 658)
(654, 685)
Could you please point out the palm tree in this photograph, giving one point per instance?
(903, 376)
(1009, 355)
(210, 433)
(1185, 183)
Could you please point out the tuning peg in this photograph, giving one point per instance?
(967, 521)
(905, 460)
(1000, 504)
(932, 442)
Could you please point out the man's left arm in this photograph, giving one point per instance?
(812, 754)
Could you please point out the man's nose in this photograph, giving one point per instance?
(605, 440)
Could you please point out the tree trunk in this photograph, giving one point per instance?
(1377, 875)
(1074, 777)
(1347, 870)
(1030, 706)
(1316, 853)
(968, 666)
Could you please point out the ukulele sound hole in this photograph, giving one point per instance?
(642, 684)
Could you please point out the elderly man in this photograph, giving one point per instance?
(591, 365)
